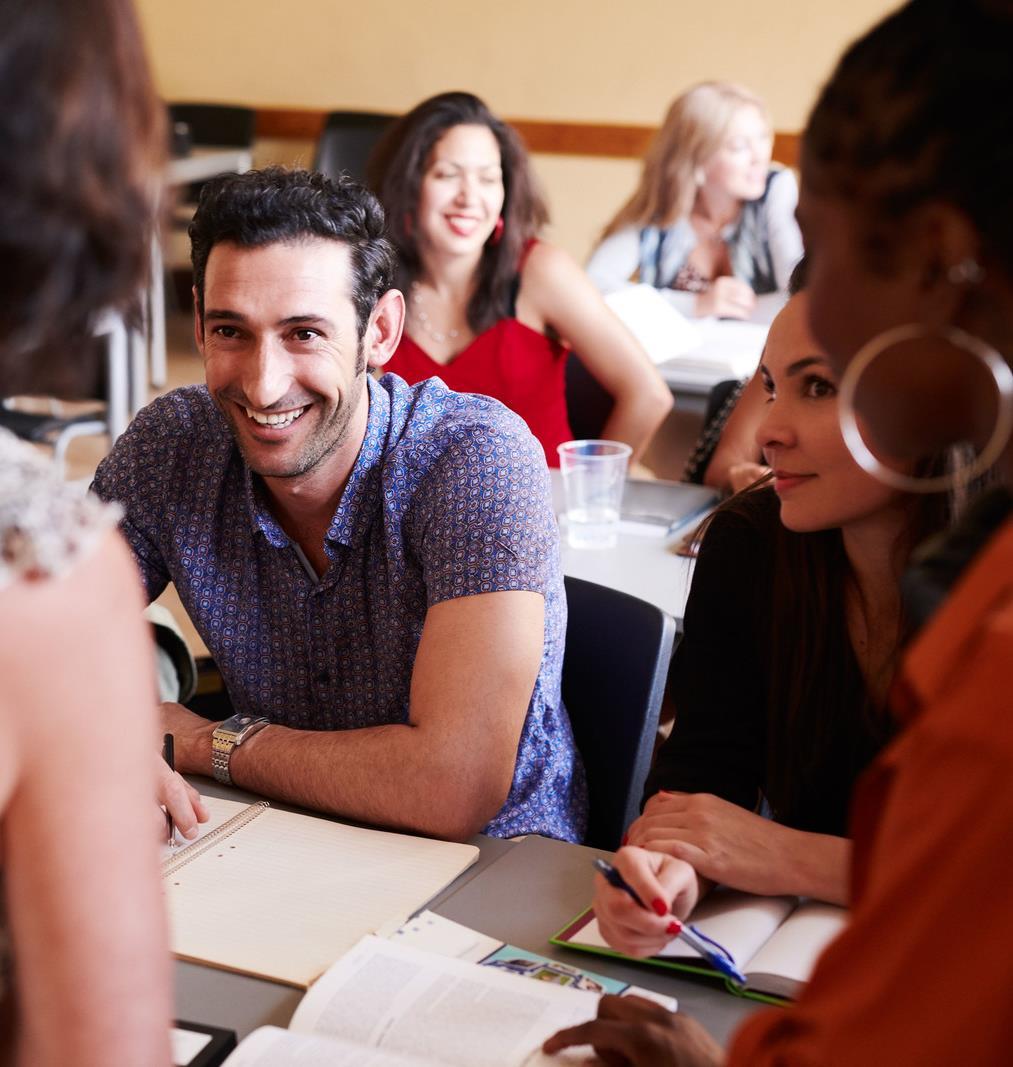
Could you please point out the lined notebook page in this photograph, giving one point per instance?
(287, 894)
(220, 810)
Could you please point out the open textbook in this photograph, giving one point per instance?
(388, 1004)
(775, 941)
(280, 896)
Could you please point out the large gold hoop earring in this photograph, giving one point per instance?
(863, 455)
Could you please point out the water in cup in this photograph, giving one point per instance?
(594, 527)
(594, 473)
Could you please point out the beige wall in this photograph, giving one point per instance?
(577, 60)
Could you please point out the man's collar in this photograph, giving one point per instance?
(356, 506)
(351, 518)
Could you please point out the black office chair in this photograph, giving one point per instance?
(214, 126)
(614, 669)
(588, 404)
(346, 141)
(222, 125)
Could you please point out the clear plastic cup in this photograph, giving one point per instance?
(594, 474)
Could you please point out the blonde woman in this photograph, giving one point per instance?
(712, 223)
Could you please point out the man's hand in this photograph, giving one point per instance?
(181, 801)
(727, 844)
(634, 1032)
(668, 887)
(192, 736)
(727, 298)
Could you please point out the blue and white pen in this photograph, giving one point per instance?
(718, 957)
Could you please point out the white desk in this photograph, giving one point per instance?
(204, 163)
(642, 566)
(728, 350)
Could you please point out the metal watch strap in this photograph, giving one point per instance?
(228, 736)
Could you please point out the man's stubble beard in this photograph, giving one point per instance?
(327, 439)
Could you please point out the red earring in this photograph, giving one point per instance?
(408, 223)
(497, 232)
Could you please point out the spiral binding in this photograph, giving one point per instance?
(213, 839)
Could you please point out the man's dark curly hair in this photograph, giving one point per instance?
(263, 207)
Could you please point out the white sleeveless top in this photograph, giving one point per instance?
(46, 526)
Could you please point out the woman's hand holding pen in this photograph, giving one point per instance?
(180, 800)
(668, 887)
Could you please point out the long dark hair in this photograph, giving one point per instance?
(395, 171)
(817, 712)
(81, 140)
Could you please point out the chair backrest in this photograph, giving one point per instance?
(720, 404)
(217, 124)
(588, 404)
(615, 665)
(346, 141)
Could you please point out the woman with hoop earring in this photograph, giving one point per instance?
(909, 230)
(492, 309)
(797, 583)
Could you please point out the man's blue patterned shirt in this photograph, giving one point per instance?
(448, 497)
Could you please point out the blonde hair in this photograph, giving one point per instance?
(691, 134)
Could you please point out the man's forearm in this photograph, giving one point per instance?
(398, 775)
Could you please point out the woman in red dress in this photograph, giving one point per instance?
(491, 309)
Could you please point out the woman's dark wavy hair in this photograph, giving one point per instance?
(81, 141)
(396, 169)
(918, 110)
(813, 715)
(276, 204)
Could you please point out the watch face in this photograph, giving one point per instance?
(235, 727)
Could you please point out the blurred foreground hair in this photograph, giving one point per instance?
(81, 141)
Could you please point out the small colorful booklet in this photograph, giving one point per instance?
(775, 941)
(434, 933)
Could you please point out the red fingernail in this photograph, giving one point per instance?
(626, 838)
(673, 927)
(659, 906)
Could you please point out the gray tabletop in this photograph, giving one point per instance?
(520, 891)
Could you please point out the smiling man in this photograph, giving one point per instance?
(374, 567)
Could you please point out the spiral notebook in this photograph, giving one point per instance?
(281, 896)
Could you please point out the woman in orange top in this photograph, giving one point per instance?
(492, 309)
(908, 222)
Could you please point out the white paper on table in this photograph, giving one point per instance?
(664, 332)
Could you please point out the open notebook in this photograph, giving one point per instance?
(775, 940)
(281, 896)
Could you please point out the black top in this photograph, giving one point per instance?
(722, 686)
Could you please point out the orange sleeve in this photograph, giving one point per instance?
(924, 973)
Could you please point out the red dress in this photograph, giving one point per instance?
(511, 362)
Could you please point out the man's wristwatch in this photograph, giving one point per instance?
(230, 735)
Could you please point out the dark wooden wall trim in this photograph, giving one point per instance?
(554, 138)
